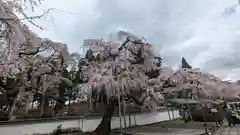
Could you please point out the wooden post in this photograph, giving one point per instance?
(90, 102)
(134, 117)
(172, 113)
(119, 113)
(189, 113)
(124, 117)
(237, 131)
(32, 103)
(80, 126)
(168, 114)
(82, 123)
(166, 105)
(129, 120)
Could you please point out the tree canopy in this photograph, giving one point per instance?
(38, 69)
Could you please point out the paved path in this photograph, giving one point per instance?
(226, 130)
(88, 124)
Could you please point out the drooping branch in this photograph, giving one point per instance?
(38, 50)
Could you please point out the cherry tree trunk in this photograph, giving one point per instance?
(12, 108)
(44, 106)
(104, 127)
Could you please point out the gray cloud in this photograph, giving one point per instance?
(205, 32)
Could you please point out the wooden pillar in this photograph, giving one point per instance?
(134, 117)
(168, 114)
(124, 116)
(119, 113)
(172, 113)
(81, 121)
(189, 113)
(129, 119)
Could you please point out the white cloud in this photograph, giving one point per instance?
(206, 32)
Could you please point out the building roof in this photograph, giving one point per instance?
(183, 101)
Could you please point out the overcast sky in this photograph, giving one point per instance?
(206, 32)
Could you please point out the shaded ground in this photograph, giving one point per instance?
(176, 127)
(226, 130)
(172, 132)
